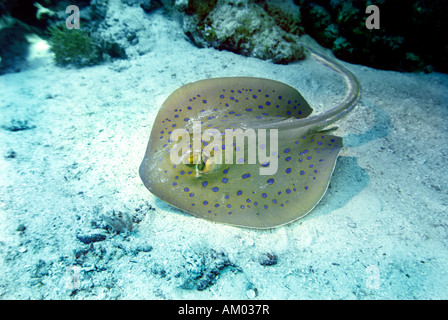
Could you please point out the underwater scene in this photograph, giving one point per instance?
(223, 150)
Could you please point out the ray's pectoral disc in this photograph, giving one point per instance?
(228, 172)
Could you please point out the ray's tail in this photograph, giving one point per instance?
(351, 97)
(327, 118)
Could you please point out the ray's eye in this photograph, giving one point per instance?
(204, 165)
(201, 165)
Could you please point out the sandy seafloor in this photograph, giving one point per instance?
(380, 232)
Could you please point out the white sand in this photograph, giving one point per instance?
(380, 232)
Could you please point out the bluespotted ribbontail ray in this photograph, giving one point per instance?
(232, 189)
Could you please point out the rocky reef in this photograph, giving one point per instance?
(267, 30)
(413, 35)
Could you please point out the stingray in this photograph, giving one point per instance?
(215, 176)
